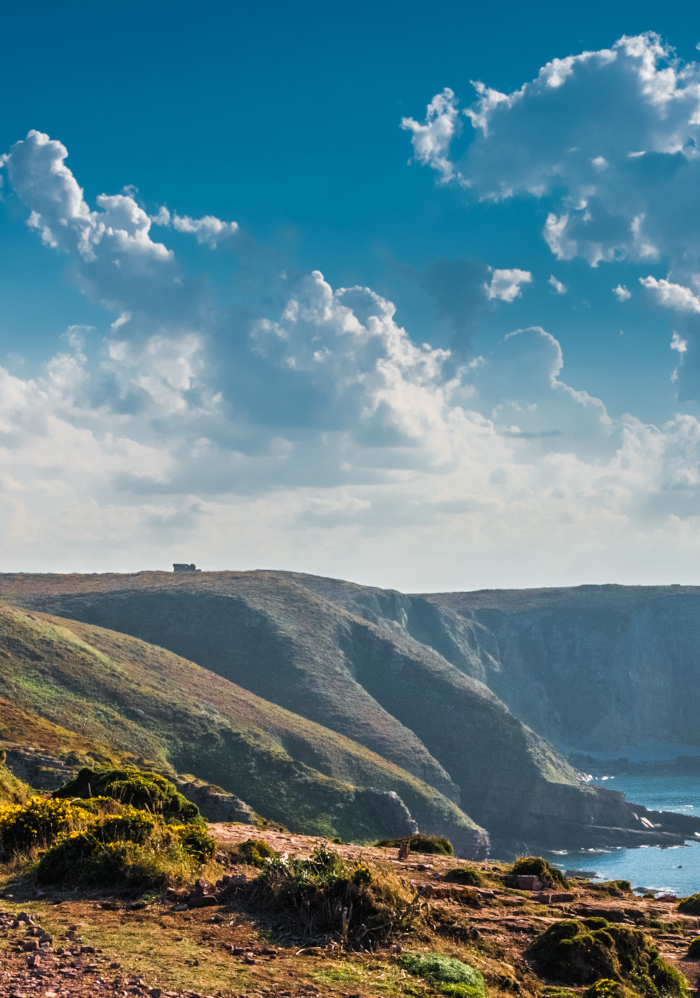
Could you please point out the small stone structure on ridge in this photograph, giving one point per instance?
(185, 568)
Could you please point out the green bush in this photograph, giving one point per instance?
(690, 905)
(146, 791)
(446, 974)
(82, 858)
(582, 951)
(612, 887)
(694, 948)
(420, 843)
(465, 875)
(195, 841)
(605, 988)
(37, 823)
(325, 895)
(535, 866)
(255, 852)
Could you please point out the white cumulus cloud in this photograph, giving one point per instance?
(612, 135)
(506, 285)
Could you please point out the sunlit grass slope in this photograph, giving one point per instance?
(70, 687)
(337, 654)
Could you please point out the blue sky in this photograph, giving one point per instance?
(281, 288)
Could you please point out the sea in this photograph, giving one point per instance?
(674, 870)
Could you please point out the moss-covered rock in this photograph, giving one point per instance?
(465, 875)
(583, 951)
(536, 866)
(255, 852)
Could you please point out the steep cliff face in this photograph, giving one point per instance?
(598, 668)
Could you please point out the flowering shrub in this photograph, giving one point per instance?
(37, 823)
(146, 791)
(100, 840)
(166, 854)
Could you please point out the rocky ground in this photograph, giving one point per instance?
(203, 943)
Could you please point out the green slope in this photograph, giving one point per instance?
(345, 657)
(73, 688)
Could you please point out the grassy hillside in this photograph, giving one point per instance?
(83, 692)
(366, 663)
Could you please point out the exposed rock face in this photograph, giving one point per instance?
(598, 668)
(215, 804)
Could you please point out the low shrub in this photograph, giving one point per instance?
(605, 988)
(327, 896)
(612, 887)
(36, 824)
(690, 905)
(444, 973)
(84, 858)
(583, 951)
(195, 841)
(420, 843)
(465, 875)
(694, 948)
(146, 791)
(255, 852)
(535, 866)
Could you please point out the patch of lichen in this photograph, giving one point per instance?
(580, 952)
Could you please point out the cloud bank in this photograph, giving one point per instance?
(300, 425)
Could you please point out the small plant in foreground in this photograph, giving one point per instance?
(535, 866)
(326, 896)
(605, 988)
(446, 974)
(694, 948)
(420, 843)
(465, 875)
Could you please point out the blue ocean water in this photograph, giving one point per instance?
(675, 870)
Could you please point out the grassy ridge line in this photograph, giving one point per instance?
(131, 696)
